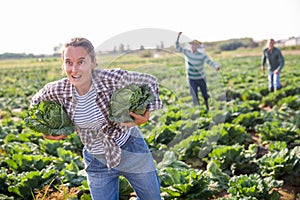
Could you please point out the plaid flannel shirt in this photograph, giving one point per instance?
(105, 83)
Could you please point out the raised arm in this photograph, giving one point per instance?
(178, 47)
(179, 34)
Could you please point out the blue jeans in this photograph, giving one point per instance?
(274, 80)
(194, 85)
(136, 166)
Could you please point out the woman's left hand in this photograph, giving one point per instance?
(138, 119)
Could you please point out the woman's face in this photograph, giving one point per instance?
(78, 68)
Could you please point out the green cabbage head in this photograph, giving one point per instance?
(133, 98)
(50, 118)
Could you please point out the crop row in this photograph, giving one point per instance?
(246, 146)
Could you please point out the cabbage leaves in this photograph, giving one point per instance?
(50, 118)
(133, 98)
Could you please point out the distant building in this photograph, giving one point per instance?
(293, 41)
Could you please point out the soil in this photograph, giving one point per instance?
(287, 192)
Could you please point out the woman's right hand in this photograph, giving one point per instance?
(52, 137)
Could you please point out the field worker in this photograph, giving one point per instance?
(275, 61)
(110, 149)
(194, 61)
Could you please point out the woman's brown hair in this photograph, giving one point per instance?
(81, 42)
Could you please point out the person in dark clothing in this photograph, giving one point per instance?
(273, 57)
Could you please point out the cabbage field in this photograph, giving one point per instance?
(247, 146)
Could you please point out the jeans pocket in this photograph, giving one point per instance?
(135, 145)
(94, 163)
(87, 158)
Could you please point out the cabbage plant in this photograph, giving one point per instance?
(50, 118)
(133, 98)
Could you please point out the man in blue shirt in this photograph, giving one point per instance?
(275, 60)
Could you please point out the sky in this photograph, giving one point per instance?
(37, 26)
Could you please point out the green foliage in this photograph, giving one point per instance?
(292, 168)
(231, 134)
(195, 146)
(167, 96)
(72, 174)
(277, 130)
(274, 98)
(225, 156)
(250, 95)
(180, 181)
(146, 53)
(173, 115)
(25, 182)
(296, 119)
(50, 118)
(254, 186)
(181, 134)
(133, 98)
(249, 120)
(20, 162)
(217, 176)
(50, 146)
(277, 145)
(272, 164)
(68, 156)
(125, 188)
(233, 159)
(164, 134)
(279, 163)
(244, 106)
(290, 101)
(232, 45)
(3, 180)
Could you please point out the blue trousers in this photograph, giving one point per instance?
(274, 80)
(194, 85)
(136, 165)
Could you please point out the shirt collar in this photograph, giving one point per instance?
(97, 83)
(68, 89)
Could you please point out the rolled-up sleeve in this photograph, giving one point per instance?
(42, 95)
(54, 91)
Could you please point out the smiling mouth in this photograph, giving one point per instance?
(76, 77)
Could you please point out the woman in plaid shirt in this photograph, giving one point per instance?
(110, 149)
